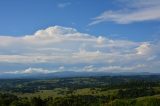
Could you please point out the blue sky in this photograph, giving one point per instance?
(20, 18)
(94, 35)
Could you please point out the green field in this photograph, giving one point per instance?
(84, 91)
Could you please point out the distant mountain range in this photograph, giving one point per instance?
(72, 74)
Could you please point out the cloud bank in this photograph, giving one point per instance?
(131, 11)
(66, 49)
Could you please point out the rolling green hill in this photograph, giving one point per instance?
(143, 90)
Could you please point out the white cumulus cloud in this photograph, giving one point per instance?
(66, 49)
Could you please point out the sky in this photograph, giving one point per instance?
(46, 36)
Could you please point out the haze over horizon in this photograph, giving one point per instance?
(50, 36)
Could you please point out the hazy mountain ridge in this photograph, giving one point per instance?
(73, 74)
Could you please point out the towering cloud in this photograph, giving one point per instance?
(59, 48)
